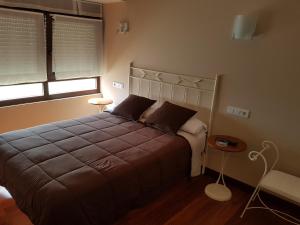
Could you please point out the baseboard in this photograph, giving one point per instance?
(245, 187)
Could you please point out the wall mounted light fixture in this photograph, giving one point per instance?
(123, 27)
(244, 27)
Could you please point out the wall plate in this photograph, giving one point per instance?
(118, 85)
(244, 113)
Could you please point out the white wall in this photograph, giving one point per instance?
(28, 115)
(194, 37)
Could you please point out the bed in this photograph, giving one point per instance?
(92, 170)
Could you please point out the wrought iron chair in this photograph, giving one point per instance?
(278, 183)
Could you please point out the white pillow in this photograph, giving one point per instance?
(149, 111)
(193, 126)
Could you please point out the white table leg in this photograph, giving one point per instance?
(101, 108)
(218, 191)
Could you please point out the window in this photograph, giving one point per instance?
(22, 47)
(48, 56)
(61, 87)
(76, 44)
(21, 91)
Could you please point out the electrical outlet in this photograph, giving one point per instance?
(245, 113)
(118, 85)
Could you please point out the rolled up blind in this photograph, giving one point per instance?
(77, 47)
(22, 47)
(75, 7)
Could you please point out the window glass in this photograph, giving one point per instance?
(21, 91)
(60, 87)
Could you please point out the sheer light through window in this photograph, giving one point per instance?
(60, 87)
(75, 50)
(21, 91)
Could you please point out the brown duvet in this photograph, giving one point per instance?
(89, 171)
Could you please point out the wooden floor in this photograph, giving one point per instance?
(186, 204)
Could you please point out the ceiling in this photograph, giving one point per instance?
(106, 1)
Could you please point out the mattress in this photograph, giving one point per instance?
(90, 170)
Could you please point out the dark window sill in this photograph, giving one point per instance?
(16, 102)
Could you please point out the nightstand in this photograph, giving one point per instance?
(100, 102)
(218, 191)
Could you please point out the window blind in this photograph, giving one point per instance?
(77, 47)
(75, 7)
(22, 47)
(65, 6)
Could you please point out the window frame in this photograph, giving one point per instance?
(50, 74)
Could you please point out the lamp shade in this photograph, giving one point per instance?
(244, 27)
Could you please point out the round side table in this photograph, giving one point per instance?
(219, 191)
(100, 102)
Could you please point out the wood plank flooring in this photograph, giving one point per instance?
(186, 204)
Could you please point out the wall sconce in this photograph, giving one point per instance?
(123, 27)
(244, 27)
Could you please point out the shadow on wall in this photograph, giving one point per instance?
(264, 24)
(266, 17)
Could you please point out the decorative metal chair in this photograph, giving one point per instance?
(278, 183)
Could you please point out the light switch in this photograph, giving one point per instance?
(118, 85)
(245, 113)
